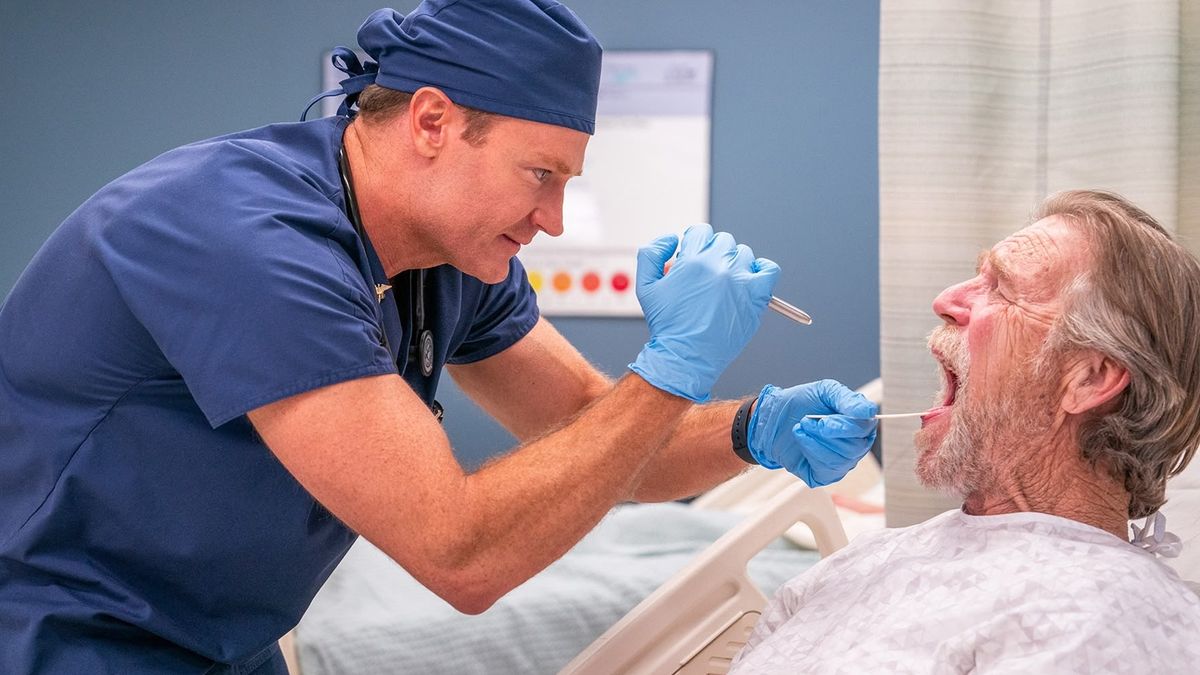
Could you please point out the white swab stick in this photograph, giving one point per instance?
(889, 416)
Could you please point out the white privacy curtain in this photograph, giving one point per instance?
(987, 106)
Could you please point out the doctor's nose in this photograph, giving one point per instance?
(548, 216)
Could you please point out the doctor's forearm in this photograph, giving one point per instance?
(384, 466)
(527, 509)
(698, 456)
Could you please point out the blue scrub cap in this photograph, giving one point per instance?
(532, 59)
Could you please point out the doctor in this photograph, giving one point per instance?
(221, 368)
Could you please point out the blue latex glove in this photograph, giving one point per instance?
(703, 313)
(819, 451)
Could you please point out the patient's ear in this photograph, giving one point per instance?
(1092, 380)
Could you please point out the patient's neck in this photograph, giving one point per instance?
(1051, 477)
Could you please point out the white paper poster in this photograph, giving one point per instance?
(646, 174)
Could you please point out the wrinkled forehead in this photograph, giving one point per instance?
(1047, 254)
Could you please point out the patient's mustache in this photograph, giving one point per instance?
(952, 347)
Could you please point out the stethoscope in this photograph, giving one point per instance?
(421, 348)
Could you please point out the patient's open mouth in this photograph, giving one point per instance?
(951, 386)
(949, 392)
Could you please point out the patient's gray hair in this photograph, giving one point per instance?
(1138, 303)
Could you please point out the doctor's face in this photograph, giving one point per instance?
(999, 392)
(506, 191)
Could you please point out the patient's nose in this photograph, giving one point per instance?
(952, 304)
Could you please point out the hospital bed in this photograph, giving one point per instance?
(712, 602)
(698, 617)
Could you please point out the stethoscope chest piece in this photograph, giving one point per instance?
(425, 351)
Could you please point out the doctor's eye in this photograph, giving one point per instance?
(541, 174)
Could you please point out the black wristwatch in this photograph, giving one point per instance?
(740, 432)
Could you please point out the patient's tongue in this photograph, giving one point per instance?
(951, 396)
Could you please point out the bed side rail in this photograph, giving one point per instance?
(698, 620)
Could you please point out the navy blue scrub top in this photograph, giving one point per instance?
(143, 525)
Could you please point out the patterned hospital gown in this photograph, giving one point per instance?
(1018, 593)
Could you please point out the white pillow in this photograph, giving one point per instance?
(1183, 518)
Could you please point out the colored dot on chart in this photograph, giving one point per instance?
(620, 282)
(535, 281)
(562, 282)
(591, 282)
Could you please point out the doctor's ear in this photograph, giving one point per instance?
(1092, 381)
(430, 113)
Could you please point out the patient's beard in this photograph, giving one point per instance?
(961, 463)
(986, 431)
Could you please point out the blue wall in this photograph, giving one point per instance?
(93, 89)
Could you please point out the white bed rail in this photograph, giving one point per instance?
(698, 620)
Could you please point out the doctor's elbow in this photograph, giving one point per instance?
(466, 592)
(476, 603)
(463, 574)
(457, 560)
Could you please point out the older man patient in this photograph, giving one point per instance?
(1071, 365)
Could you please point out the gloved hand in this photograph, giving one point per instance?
(819, 451)
(703, 313)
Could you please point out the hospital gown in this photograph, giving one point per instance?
(1016, 593)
